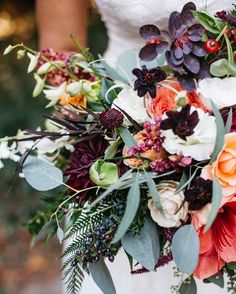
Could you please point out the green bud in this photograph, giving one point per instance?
(103, 173)
(33, 61)
(20, 53)
(45, 68)
(181, 99)
(73, 89)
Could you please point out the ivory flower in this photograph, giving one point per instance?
(171, 203)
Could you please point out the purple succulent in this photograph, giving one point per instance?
(156, 42)
(182, 44)
(182, 122)
(147, 80)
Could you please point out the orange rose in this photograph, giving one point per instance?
(224, 168)
(148, 152)
(166, 99)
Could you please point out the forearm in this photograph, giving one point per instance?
(58, 19)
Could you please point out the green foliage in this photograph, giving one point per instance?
(185, 248)
(144, 246)
(102, 277)
(188, 286)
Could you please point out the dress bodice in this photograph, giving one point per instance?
(124, 17)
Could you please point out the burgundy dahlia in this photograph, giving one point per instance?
(111, 118)
(229, 18)
(199, 194)
(147, 80)
(182, 122)
(84, 155)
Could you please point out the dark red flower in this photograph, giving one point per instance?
(84, 155)
(111, 118)
(181, 122)
(147, 80)
(199, 194)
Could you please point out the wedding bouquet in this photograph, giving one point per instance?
(144, 152)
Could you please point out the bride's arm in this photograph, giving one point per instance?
(57, 19)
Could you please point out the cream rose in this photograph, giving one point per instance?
(171, 203)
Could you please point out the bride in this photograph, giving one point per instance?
(122, 19)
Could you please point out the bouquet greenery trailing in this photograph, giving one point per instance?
(142, 153)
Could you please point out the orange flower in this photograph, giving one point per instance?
(165, 100)
(78, 100)
(218, 244)
(224, 168)
(149, 153)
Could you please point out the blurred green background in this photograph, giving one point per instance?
(19, 110)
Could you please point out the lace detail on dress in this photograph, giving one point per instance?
(124, 17)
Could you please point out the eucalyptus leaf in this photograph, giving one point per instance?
(219, 142)
(126, 136)
(110, 152)
(185, 249)
(60, 234)
(188, 286)
(216, 202)
(46, 230)
(153, 191)
(126, 62)
(144, 247)
(41, 175)
(111, 72)
(185, 182)
(229, 121)
(102, 277)
(217, 279)
(116, 186)
(132, 205)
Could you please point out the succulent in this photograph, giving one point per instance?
(182, 44)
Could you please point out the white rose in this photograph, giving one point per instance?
(200, 145)
(131, 103)
(171, 203)
(220, 91)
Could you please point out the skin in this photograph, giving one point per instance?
(58, 19)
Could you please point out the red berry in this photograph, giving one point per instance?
(154, 41)
(233, 31)
(228, 32)
(234, 55)
(212, 46)
(234, 40)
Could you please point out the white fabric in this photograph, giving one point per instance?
(123, 19)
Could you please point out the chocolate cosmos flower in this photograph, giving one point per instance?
(199, 194)
(182, 123)
(147, 80)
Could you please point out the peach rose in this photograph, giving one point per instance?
(148, 152)
(224, 168)
(166, 100)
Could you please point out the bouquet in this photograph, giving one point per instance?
(143, 153)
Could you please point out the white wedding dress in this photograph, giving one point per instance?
(123, 19)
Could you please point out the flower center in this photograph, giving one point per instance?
(150, 78)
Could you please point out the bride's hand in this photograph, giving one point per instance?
(58, 19)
